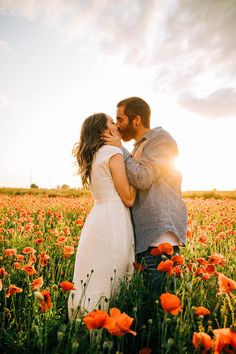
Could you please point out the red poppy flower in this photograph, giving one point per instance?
(225, 284)
(163, 248)
(119, 323)
(46, 302)
(9, 252)
(224, 337)
(37, 283)
(138, 266)
(13, 290)
(202, 340)
(67, 285)
(217, 258)
(28, 250)
(43, 258)
(166, 266)
(170, 303)
(95, 319)
(28, 268)
(178, 259)
(201, 311)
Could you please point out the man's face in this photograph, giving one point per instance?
(126, 129)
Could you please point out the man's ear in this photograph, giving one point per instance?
(138, 120)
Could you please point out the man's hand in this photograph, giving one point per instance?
(112, 137)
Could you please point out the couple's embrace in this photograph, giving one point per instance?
(145, 181)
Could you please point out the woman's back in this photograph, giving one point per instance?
(102, 186)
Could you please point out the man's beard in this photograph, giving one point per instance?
(128, 133)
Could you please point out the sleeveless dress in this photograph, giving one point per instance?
(105, 252)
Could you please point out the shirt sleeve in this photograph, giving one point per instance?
(111, 151)
(157, 157)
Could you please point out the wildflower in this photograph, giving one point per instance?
(66, 230)
(43, 258)
(9, 252)
(46, 302)
(61, 239)
(191, 265)
(224, 337)
(67, 285)
(119, 323)
(221, 236)
(189, 234)
(202, 239)
(177, 271)
(202, 340)
(163, 248)
(178, 259)
(2, 271)
(95, 319)
(225, 284)
(17, 265)
(37, 283)
(38, 240)
(28, 268)
(68, 251)
(0, 284)
(217, 258)
(29, 250)
(79, 222)
(19, 258)
(138, 266)
(201, 261)
(166, 266)
(13, 289)
(201, 311)
(54, 232)
(170, 303)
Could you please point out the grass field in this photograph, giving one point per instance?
(194, 313)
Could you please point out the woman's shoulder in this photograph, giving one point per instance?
(110, 150)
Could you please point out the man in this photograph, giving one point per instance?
(159, 213)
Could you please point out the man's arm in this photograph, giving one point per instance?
(157, 154)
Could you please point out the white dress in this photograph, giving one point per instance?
(106, 247)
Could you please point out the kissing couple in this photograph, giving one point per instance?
(138, 203)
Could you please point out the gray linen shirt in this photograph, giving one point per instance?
(158, 206)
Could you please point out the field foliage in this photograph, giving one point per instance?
(195, 312)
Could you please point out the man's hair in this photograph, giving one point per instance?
(136, 106)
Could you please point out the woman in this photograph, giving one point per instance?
(106, 248)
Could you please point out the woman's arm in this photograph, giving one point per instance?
(126, 192)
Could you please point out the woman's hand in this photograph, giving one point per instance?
(112, 137)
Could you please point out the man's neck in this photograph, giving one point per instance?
(140, 133)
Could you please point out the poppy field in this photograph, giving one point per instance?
(194, 312)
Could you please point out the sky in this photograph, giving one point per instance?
(63, 60)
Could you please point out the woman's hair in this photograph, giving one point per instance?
(90, 142)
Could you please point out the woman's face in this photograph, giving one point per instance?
(110, 125)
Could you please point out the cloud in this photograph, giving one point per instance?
(4, 102)
(187, 48)
(209, 105)
(4, 46)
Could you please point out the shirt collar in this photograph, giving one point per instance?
(146, 136)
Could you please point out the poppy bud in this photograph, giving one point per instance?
(60, 336)
(38, 296)
(74, 347)
(170, 343)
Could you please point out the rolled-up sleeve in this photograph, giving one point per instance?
(157, 152)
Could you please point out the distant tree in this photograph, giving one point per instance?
(65, 186)
(34, 186)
